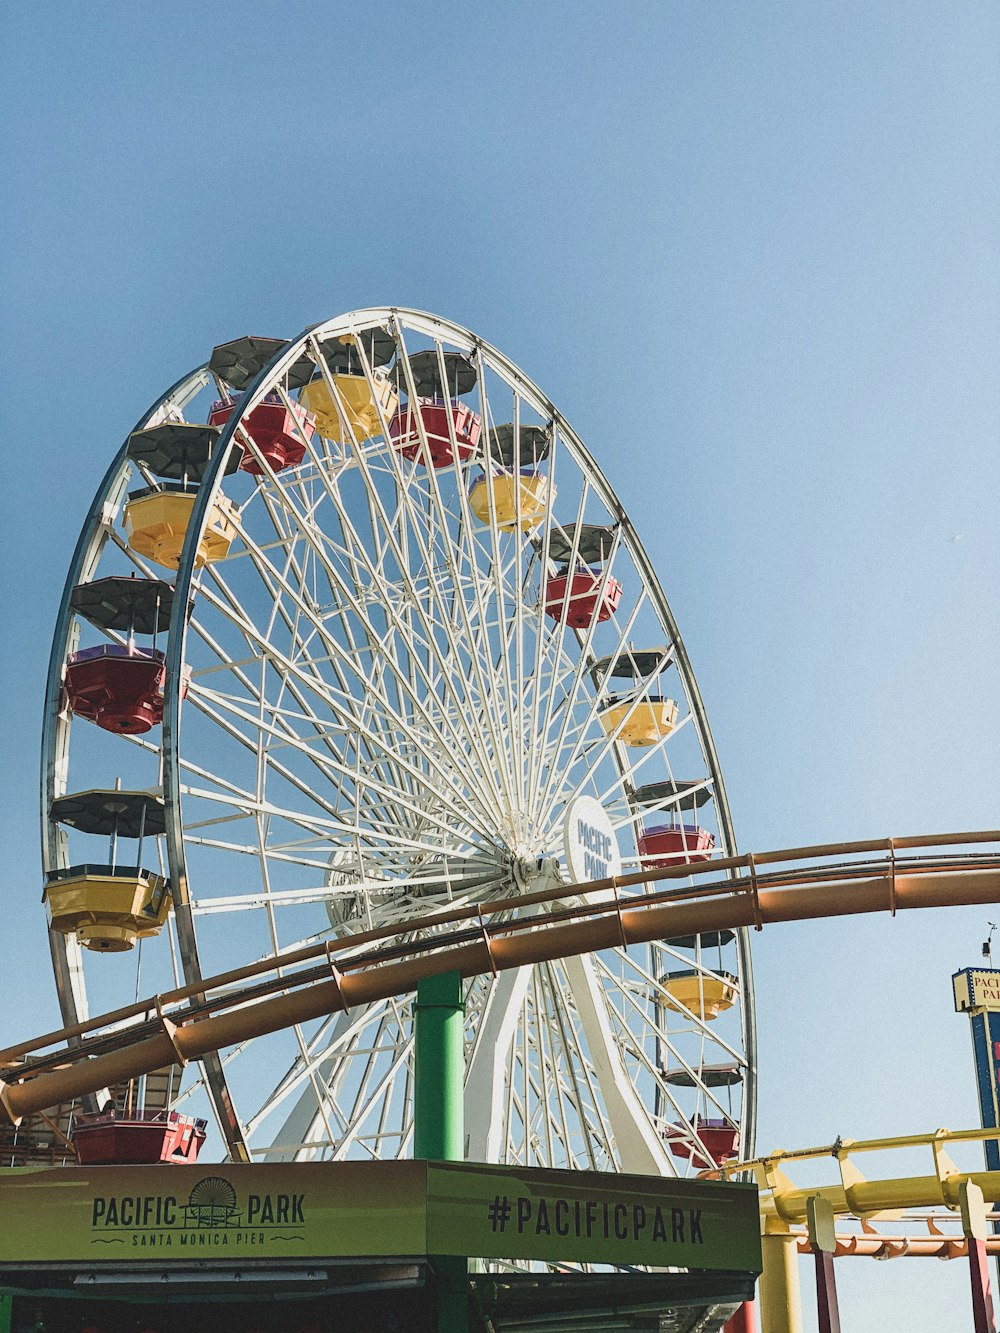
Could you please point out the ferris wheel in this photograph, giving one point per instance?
(355, 629)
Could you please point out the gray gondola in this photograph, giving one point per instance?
(531, 447)
(137, 606)
(123, 814)
(343, 358)
(593, 543)
(685, 795)
(425, 367)
(712, 1076)
(633, 664)
(239, 362)
(179, 450)
(710, 939)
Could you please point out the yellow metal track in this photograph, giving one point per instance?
(784, 1203)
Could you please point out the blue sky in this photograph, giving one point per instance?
(749, 249)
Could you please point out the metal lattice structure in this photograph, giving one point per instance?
(375, 703)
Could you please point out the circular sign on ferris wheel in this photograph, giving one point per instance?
(589, 841)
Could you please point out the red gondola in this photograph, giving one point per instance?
(278, 433)
(720, 1137)
(106, 1139)
(582, 589)
(670, 844)
(435, 413)
(119, 688)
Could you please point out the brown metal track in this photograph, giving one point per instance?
(346, 973)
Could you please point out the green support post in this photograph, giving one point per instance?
(6, 1312)
(439, 1070)
(439, 1116)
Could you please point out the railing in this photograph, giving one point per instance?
(783, 1201)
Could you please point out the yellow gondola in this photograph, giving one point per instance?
(519, 499)
(106, 909)
(359, 418)
(156, 523)
(643, 723)
(704, 994)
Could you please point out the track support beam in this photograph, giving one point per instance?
(823, 1238)
(780, 1302)
(973, 1210)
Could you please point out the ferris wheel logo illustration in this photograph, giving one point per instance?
(212, 1203)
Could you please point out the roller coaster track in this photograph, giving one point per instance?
(753, 890)
(784, 1205)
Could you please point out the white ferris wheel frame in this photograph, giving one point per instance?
(619, 1107)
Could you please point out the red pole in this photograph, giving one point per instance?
(743, 1321)
(982, 1302)
(827, 1309)
(823, 1239)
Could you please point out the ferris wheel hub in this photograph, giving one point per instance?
(537, 872)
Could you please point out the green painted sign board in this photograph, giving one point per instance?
(591, 1216)
(352, 1209)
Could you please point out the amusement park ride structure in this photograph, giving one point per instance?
(438, 721)
(424, 662)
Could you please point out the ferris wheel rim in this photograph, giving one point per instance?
(434, 327)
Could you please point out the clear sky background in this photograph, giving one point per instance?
(750, 249)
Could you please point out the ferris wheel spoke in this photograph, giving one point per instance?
(617, 984)
(331, 1040)
(385, 645)
(488, 1064)
(550, 1086)
(568, 1092)
(536, 731)
(638, 1146)
(584, 657)
(364, 1076)
(651, 752)
(312, 671)
(460, 543)
(595, 755)
(584, 727)
(593, 1131)
(518, 630)
(251, 743)
(668, 803)
(348, 721)
(323, 1109)
(380, 518)
(549, 1079)
(446, 553)
(310, 679)
(376, 1087)
(553, 651)
(255, 694)
(500, 595)
(228, 716)
(507, 583)
(539, 1084)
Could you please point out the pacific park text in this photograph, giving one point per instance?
(588, 1218)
